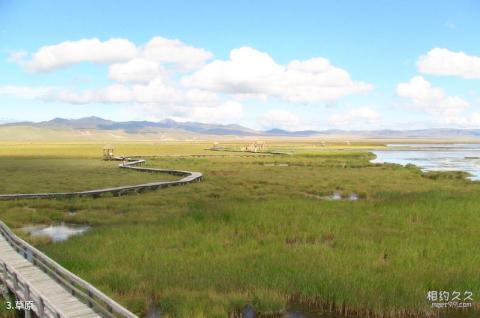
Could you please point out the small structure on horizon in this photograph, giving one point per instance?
(257, 146)
(215, 146)
(108, 152)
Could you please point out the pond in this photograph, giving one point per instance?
(434, 157)
(334, 196)
(59, 232)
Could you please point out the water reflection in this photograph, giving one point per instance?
(59, 232)
(248, 312)
(153, 311)
(335, 196)
(338, 196)
(434, 157)
(299, 311)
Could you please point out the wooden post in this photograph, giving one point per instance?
(5, 273)
(41, 308)
(15, 282)
(90, 303)
(28, 312)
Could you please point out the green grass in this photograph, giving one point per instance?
(5, 303)
(256, 234)
(68, 174)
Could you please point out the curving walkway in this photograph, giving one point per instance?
(128, 163)
(51, 290)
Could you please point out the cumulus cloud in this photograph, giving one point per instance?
(226, 112)
(440, 61)
(168, 51)
(138, 70)
(282, 119)
(155, 100)
(356, 116)
(470, 121)
(111, 94)
(432, 99)
(140, 63)
(252, 72)
(155, 92)
(53, 57)
(27, 92)
(230, 111)
(149, 77)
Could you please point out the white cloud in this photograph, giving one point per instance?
(428, 98)
(356, 117)
(155, 92)
(282, 119)
(224, 112)
(137, 70)
(111, 94)
(133, 64)
(155, 100)
(18, 56)
(469, 121)
(147, 77)
(249, 71)
(230, 111)
(52, 57)
(168, 51)
(27, 92)
(440, 61)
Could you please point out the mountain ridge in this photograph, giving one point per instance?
(144, 126)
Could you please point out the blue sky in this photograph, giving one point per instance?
(264, 64)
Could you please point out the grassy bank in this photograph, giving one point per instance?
(256, 231)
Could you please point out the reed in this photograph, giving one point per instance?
(248, 234)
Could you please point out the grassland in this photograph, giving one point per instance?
(253, 233)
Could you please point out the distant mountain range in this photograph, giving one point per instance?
(88, 125)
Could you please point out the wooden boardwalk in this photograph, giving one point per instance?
(40, 285)
(128, 163)
(51, 290)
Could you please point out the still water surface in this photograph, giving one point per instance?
(59, 232)
(434, 157)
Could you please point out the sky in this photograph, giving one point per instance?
(292, 65)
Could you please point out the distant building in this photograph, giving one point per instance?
(215, 146)
(257, 146)
(108, 152)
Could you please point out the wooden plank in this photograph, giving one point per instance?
(57, 297)
(48, 288)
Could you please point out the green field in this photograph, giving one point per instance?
(257, 230)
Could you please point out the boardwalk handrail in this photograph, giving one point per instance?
(82, 290)
(128, 163)
(42, 305)
(79, 288)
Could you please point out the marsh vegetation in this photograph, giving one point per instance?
(248, 234)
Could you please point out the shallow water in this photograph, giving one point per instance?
(59, 232)
(299, 311)
(338, 196)
(153, 311)
(434, 157)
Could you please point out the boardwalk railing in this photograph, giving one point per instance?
(80, 289)
(128, 163)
